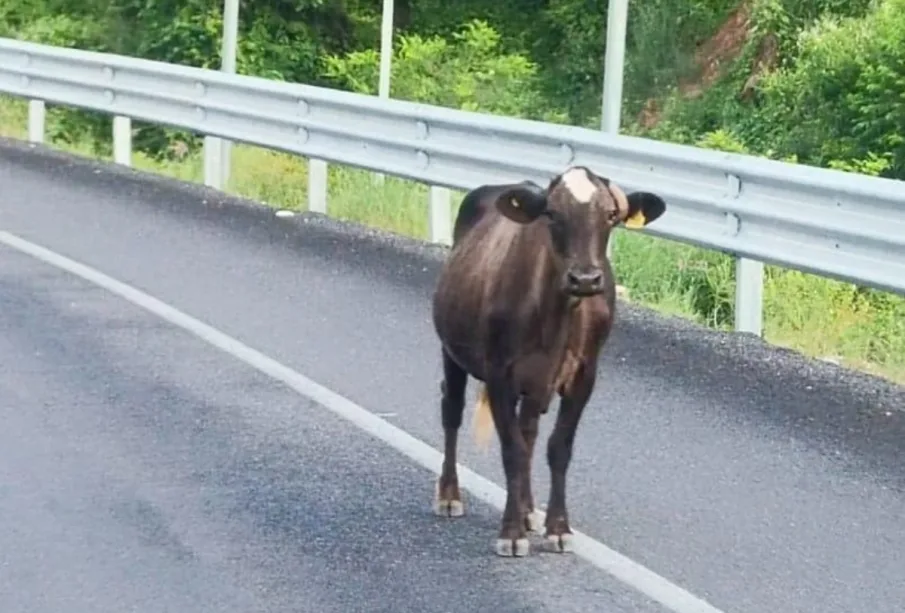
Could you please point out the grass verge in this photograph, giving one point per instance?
(862, 329)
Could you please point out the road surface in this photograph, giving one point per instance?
(145, 469)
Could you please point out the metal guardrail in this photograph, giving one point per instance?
(837, 224)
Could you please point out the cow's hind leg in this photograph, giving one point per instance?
(559, 454)
(512, 540)
(447, 497)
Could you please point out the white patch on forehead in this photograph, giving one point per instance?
(579, 184)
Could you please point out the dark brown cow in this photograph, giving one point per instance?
(524, 304)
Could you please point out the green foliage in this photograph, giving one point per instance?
(722, 140)
(569, 47)
(836, 97)
(279, 39)
(787, 18)
(651, 65)
(843, 101)
(468, 72)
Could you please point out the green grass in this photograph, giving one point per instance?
(814, 315)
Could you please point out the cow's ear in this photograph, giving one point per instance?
(522, 203)
(643, 208)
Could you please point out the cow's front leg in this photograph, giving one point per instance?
(559, 454)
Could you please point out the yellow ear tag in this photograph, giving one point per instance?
(635, 221)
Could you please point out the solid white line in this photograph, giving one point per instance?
(626, 570)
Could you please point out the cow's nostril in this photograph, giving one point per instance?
(585, 278)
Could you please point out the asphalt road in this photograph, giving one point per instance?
(142, 469)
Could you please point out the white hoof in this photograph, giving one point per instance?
(508, 548)
(560, 543)
(449, 508)
(533, 522)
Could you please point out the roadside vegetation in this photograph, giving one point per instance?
(818, 82)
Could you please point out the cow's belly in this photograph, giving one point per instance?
(534, 366)
(456, 322)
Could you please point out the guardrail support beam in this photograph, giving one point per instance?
(213, 167)
(36, 118)
(749, 296)
(440, 215)
(122, 140)
(317, 186)
(386, 60)
(613, 74)
(228, 47)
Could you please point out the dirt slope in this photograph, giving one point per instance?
(714, 55)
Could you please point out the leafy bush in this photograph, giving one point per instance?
(835, 97)
(843, 102)
(468, 72)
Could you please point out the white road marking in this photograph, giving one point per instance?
(619, 566)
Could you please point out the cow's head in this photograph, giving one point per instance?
(580, 209)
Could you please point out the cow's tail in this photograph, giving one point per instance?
(482, 426)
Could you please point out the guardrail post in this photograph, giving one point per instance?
(317, 186)
(216, 162)
(386, 60)
(749, 277)
(122, 140)
(226, 157)
(749, 296)
(36, 116)
(228, 48)
(613, 75)
(213, 176)
(440, 215)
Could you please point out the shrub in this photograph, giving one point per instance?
(468, 72)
